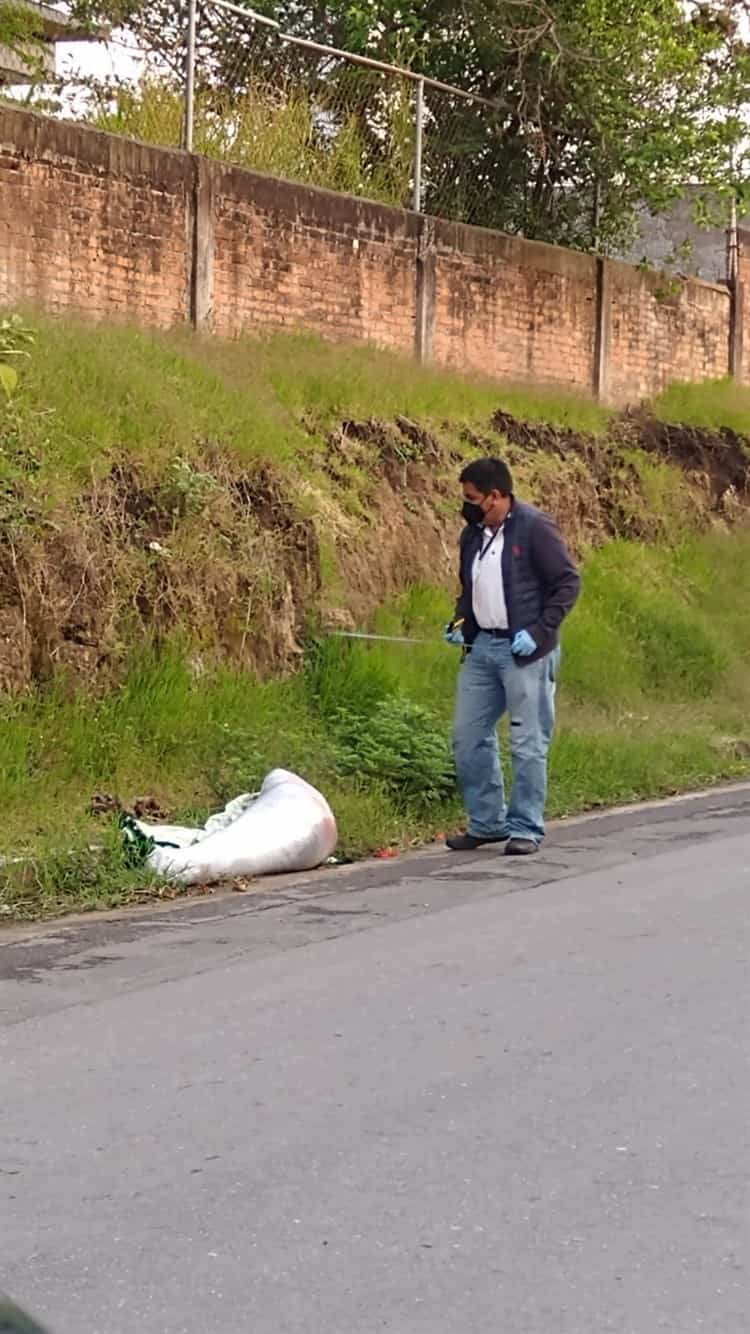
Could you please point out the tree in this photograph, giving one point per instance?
(21, 32)
(599, 106)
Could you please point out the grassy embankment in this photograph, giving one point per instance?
(655, 689)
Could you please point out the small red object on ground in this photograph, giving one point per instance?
(383, 854)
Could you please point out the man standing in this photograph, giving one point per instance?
(518, 582)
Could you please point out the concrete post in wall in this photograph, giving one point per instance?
(201, 245)
(425, 292)
(738, 309)
(736, 329)
(602, 321)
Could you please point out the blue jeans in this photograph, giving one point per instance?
(490, 684)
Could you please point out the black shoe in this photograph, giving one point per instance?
(470, 843)
(521, 847)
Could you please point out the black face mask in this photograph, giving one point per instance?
(472, 512)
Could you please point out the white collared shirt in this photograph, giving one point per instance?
(488, 591)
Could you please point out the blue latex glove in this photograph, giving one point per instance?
(523, 645)
(453, 634)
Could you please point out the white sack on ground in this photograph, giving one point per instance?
(288, 826)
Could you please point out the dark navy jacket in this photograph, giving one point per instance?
(540, 580)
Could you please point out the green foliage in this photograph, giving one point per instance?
(80, 878)
(266, 130)
(653, 633)
(21, 33)
(602, 107)
(400, 746)
(186, 488)
(15, 340)
(19, 460)
(599, 108)
(15, 337)
(338, 678)
(152, 110)
(639, 758)
(305, 135)
(715, 405)
(8, 380)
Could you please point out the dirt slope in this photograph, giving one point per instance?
(241, 560)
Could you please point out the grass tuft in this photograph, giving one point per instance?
(712, 405)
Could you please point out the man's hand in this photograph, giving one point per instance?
(453, 634)
(523, 645)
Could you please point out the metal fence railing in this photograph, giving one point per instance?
(299, 109)
(215, 77)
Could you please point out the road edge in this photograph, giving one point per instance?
(12, 933)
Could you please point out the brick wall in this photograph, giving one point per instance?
(92, 223)
(513, 309)
(663, 329)
(112, 229)
(288, 256)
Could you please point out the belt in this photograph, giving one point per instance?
(498, 634)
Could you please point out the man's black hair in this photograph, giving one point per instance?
(488, 475)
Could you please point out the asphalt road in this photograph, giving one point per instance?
(433, 1097)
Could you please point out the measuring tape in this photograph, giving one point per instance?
(379, 639)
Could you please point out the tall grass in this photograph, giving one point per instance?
(713, 404)
(289, 132)
(89, 394)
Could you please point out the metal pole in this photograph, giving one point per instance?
(418, 135)
(243, 13)
(380, 639)
(596, 214)
(384, 68)
(338, 53)
(187, 135)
